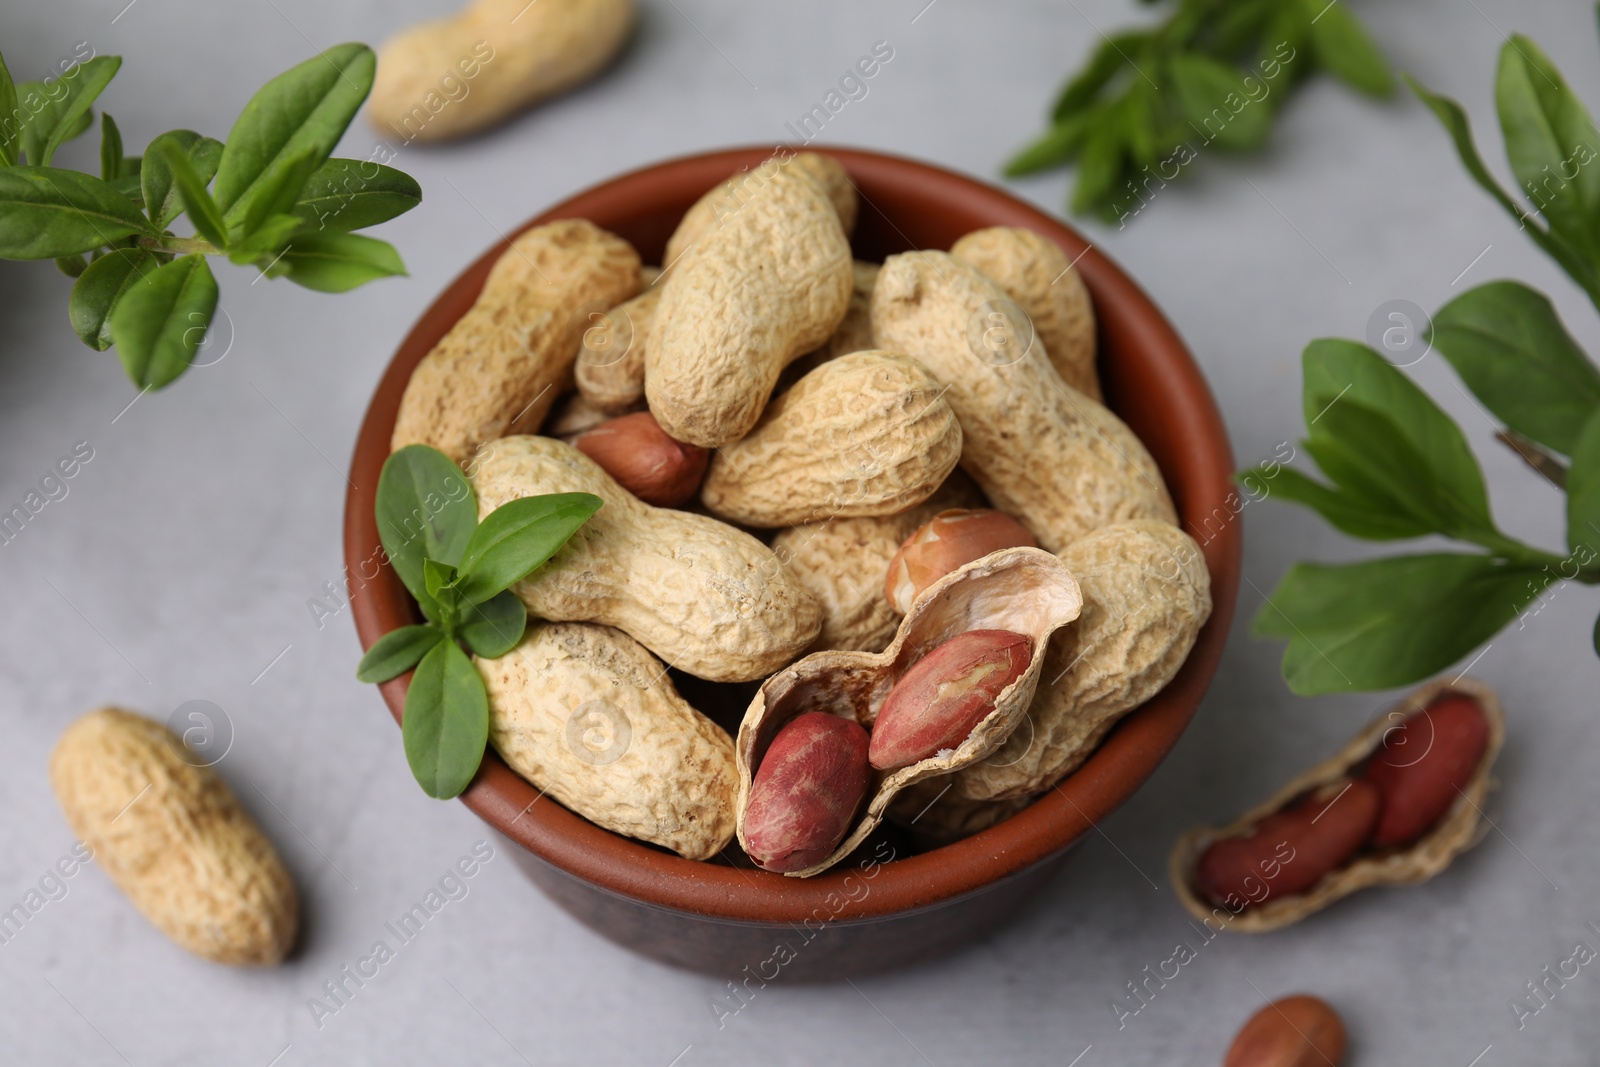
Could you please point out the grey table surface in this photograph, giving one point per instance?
(182, 562)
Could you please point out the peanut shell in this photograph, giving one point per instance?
(865, 434)
(174, 839)
(503, 364)
(1146, 593)
(588, 715)
(610, 369)
(1059, 463)
(703, 596)
(709, 213)
(937, 815)
(1023, 590)
(1459, 829)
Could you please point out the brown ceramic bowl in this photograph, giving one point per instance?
(865, 914)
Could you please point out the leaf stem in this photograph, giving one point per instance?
(1536, 456)
(179, 245)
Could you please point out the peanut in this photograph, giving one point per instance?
(571, 416)
(610, 369)
(714, 209)
(646, 462)
(1038, 276)
(1043, 452)
(772, 282)
(499, 55)
(1290, 851)
(1146, 594)
(943, 543)
(1297, 1031)
(854, 333)
(866, 434)
(701, 595)
(935, 705)
(503, 364)
(588, 715)
(806, 791)
(1424, 764)
(839, 562)
(174, 839)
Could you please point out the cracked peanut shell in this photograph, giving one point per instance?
(1022, 590)
(865, 434)
(705, 597)
(588, 715)
(174, 839)
(1461, 827)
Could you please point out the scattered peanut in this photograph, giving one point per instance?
(173, 837)
(503, 364)
(455, 76)
(646, 462)
(936, 704)
(866, 434)
(1058, 462)
(696, 592)
(1298, 1031)
(769, 284)
(1038, 276)
(948, 540)
(806, 791)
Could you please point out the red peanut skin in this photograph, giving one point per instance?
(935, 704)
(806, 792)
(637, 452)
(1424, 764)
(951, 539)
(1297, 1031)
(1291, 850)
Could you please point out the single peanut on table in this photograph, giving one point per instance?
(1297, 1031)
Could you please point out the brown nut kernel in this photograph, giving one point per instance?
(1423, 766)
(637, 452)
(806, 791)
(948, 540)
(1297, 1031)
(1290, 851)
(935, 705)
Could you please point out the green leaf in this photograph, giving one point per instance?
(1508, 345)
(1349, 513)
(1337, 370)
(446, 721)
(47, 213)
(306, 107)
(352, 194)
(162, 318)
(1057, 145)
(332, 262)
(1343, 47)
(266, 241)
(426, 509)
(1554, 245)
(197, 203)
(437, 578)
(71, 266)
(397, 652)
(1099, 168)
(1550, 140)
(494, 627)
(276, 192)
(100, 287)
(66, 107)
(1111, 57)
(1391, 622)
(110, 149)
(517, 537)
(1213, 98)
(161, 201)
(10, 122)
(1583, 492)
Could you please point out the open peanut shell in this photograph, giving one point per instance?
(1456, 831)
(1024, 590)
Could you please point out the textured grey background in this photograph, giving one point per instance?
(180, 565)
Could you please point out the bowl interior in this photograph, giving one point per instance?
(1150, 380)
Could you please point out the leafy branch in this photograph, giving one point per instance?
(270, 197)
(460, 572)
(1213, 73)
(1398, 467)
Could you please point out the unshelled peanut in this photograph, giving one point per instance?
(715, 208)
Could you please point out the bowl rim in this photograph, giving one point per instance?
(1117, 768)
